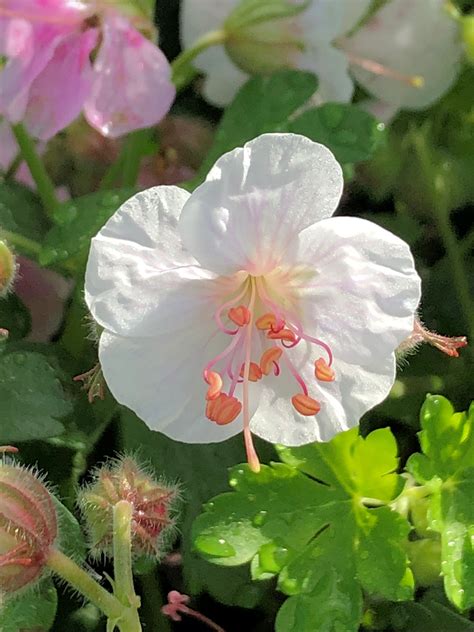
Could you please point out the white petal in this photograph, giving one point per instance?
(256, 199)
(139, 280)
(356, 390)
(332, 69)
(198, 17)
(223, 79)
(361, 302)
(413, 38)
(160, 379)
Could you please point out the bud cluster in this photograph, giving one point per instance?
(153, 505)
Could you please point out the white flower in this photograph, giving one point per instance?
(246, 301)
(407, 54)
(315, 29)
(412, 38)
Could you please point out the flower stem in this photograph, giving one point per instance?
(181, 66)
(39, 174)
(122, 616)
(123, 578)
(131, 158)
(25, 245)
(68, 570)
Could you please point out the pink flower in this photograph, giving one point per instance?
(49, 77)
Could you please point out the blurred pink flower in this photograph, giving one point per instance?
(49, 77)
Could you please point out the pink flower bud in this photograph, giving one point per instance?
(153, 504)
(28, 525)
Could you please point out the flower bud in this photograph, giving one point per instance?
(262, 35)
(7, 268)
(153, 503)
(28, 525)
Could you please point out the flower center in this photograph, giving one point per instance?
(262, 322)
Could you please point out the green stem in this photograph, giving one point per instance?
(43, 182)
(25, 245)
(68, 570)
(123, 617)
(181, 66)
(123, 578)
(112, 174)
(131, 160)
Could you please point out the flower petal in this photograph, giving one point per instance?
(132, 87)
(361, 302)
(256, 199)
(58, 93)
(160, 379)
(356, 390)
(413, 38)
(223, 79)
(33, 48)
(139, 281)
(332, 69)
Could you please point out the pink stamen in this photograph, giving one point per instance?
(302, 336)
(295, 374)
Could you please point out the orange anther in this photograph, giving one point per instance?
(269, 321)
(305, 404)
(323, 371)
(269, 358)
(223, 409)
(283, 334)
(215, 384)
(255, 372)
(239, 315)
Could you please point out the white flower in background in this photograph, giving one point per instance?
(303, 41)
(244, 304)
(407, 54)
(412, 38)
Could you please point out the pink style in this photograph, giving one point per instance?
(49, 77)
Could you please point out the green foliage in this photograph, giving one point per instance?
(446, 468)
(200, 470)
(319, 521)
(78, 221)
(274, 101)
(14, 316)
(33, 609)
(32, 399)
(352, 134)
(20, 211)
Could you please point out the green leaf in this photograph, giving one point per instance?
(20, 211)
(446, 468)
(202, 472)
(32, 399)
(263, 104)
(350, 133)
(34, 609)
(78, 221)
(71, 538)
(310, 521)
(14, 316)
